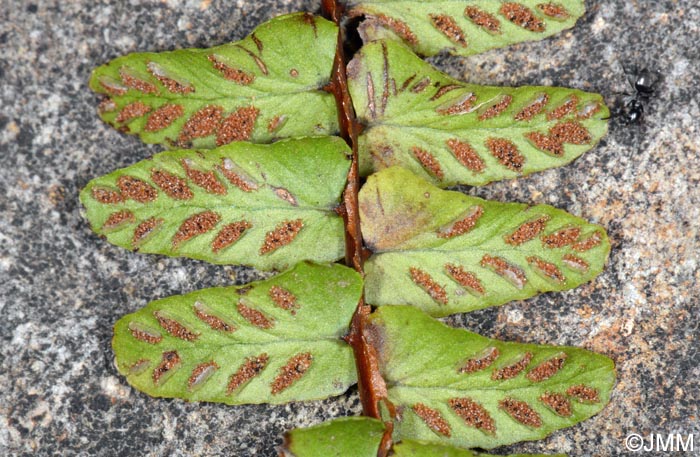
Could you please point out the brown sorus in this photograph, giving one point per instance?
(462, 106)
(400, 28)
(521, 412)
(507, 271)
(575, 262)
(169, 361)
(433, 419)
(174, 186)
(382, 154)
(139, 366)
(232, 74)
(512, 370)
(428, 161)
(547, 369)
(229, 234)
(428, 284)
(522, 16)
(207, 180)
(212, 321)
(561, 238)
(118, 218)
(421, 85)
(282, 235)
(481, 362)
(197, 224)
(546, 143)
(554, 10)
(106, 196)
(286, 195)
(583, 393)
(533, 109)
(473, 414)
(276, 123)
(136, 83)
(371, 96)
(444, 90)
(558, 403)
(201, 373)
(588, 243)
(463, 225)
(496, 109)
(407, 82)
(237, 126)
(506, 152)
(588, 110)
(308, 18)
(163, 117)
(568, 107)
(172, 85)
(291, 372)
(136, 189)
(255, 317)
(112, 87)
(252, 367)
(144, 229)
(448, 26)
(466, 155)
(483, 19)
(143, 333)
(201, 124)
(132, 111)
(570, 132)
(465, 279)
(546, 269)
(175, 328)
(106, 106)
(284, 299)
(258, 61)
(527, 231)
(236, 176)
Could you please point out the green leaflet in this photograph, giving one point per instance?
(456, 387)
(269, 206)
(409, 448)
(345, 437)
(464, 27)
(455, 133)
(263, 88)
(446, 252)
(361, 437)
(272, 341)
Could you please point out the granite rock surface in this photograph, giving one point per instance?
(62, 288)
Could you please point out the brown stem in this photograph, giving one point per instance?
(372, 387)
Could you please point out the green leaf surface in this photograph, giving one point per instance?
(361, 437)
(452, 133)
(410, 448)
(269, 206)
(464, 27)
(263, 88)
(458, 388)
(345, 437)
(446, 252)
(272, 341)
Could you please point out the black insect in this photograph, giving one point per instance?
(644, 82)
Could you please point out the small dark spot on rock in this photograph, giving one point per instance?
(25, 137)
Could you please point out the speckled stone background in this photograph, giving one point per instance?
(62, 288)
